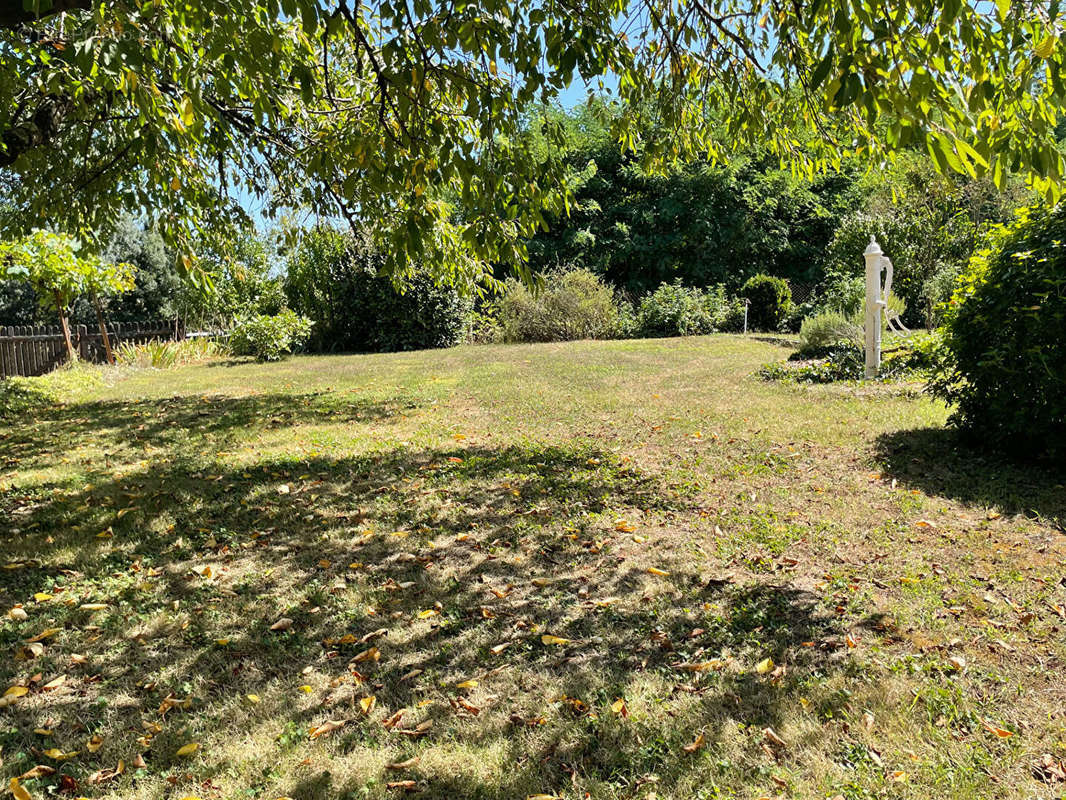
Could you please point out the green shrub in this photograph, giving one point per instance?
(827, 329)
(770, 301)
(269, 338)
(334, 279)
(676, 310)
(1003, 337)
(574, 304)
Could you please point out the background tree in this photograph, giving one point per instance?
(52, 265)
(382, 112)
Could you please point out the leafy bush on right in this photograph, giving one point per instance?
(770, 301)
(1004, 338)
(269, 338)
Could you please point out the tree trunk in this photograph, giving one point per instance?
(103, 329)
(71, 357)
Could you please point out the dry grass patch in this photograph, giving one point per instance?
(613, 570)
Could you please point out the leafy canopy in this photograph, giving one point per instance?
(403, 112)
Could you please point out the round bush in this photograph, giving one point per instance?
(574, 304)
(334, 279)
(269, 337)
(770, 301)
(1004, 338)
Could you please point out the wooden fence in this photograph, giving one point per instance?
(34, 350)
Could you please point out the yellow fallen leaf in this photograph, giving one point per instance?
(470, 684)
(306, 689)
(188, 749)
(549, 639)
(44, 635)
(252, 698)
(657, 571)
(429, 612)
(18, 790)
(368, 703)
(221, 642)
(94, 743)
(42, 597)
(542, 797)
(764, 666)
(58, 755)
(619, 705)
(325, 563)
(624, 526)
(16, 691)
(93, 606)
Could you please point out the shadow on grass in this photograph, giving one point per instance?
(938, 461)
(453, 563)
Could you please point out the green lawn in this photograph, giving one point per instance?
(748, 589)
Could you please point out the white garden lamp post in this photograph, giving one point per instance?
(876, 302)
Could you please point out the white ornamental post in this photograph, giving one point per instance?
(874, 305)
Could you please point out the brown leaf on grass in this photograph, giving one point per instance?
(695, 745)
(40, 771)
(370, 654)
(394, 720)
(282, 624)
(421, 729)
(411, 675)
(1048, 770)
(55, 683)
(105, 775)
(327, 727)
(95, 743)
(398, 765)
(499, 648)
(407, 786)
(67, 784)
(702, 666)
(771, 736)
(924, 523)
(374, 635)
(461, 702)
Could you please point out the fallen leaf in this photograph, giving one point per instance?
(1002, 733)
(282, 624)
(403, 764)
(327, 727)
(188, 749)
(16, 691)
(93, 606)
(56, 754)
(368, 703)
(469, 684)
(771, 736)
(40, 771)
(549, 639)
(657, 571)
(252, 698)
(619, 707)
(764, 666)
(44, 635)
(306, 689)
(18, 790)
(370, 654)
(406, 785)
(499, 648)
(695, 745)
(95, 743)
(924, 523)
